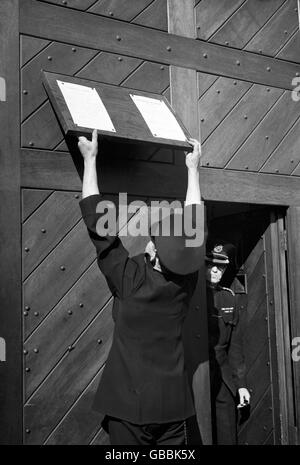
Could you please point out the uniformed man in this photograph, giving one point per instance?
(144, 391)
(227, 366)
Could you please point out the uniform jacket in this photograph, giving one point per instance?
(144, 380)
(225, 339)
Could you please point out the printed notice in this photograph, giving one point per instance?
(159, 118)
(86, 106)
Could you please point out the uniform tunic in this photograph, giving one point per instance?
(144, 380)
(225, 338)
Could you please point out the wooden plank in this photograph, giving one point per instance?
(184, 96)
(78, 4)
(254, 257)
(119, 9)
(286, 156)
(49, 21)
(154, 16)
(31, 46)
(41, 129)
(110, 68)
(267, 135)
(66, 321)
(59, 58)
(211, 14)
(256, 288)
(69, 430)
(269, 259)
(149, 77)
(272, 37)
(258, 375)
(205, 81)
(69, 379)
(220, 147)
(47, 226)
(293, 232)
(290, 51)
(10, 216)
(32, 199)
(55, 170)
(49, 282)
(101, 439)
(218, 101)
(256, 334)
(245, 22)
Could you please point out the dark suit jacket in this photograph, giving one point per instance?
(144, 380)
(225, 340)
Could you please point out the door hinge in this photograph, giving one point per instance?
(283, 240)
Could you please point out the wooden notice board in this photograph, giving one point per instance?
(121, 113)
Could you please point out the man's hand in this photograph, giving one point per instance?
(192, 159)
(88, 149)
(244, 396)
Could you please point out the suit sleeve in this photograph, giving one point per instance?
(122, 273)
(236, 355)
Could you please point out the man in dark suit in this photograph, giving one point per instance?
(144, 391)
(227, 366)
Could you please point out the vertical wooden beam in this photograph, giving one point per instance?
(10, 245)
(277, 257)
(293, 252)
(184, 99)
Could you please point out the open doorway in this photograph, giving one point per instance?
(260, 286)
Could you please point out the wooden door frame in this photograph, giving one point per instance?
(280, 311)
(10, 218)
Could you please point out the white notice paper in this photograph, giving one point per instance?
(159, 118)
(86, 106)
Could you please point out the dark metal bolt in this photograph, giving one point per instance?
(36, 313)
(26, 249)
(268, 68)
(25, 92)
(118, 38)
(205, 55)
(76, 196)
(62, 268)
(120, 58)
(162, 67)
(49, 58)
(70, 312)
(238, 63)
(99, 341)
(169, 48)
(25, 313)
(25, 351)
(207, 163)
(27, 369)
(27, 430)
(36, 350)
(43, 230)
(111, 13)
(70, 348)
(27, 307)
(81, 304)
(31, 143)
